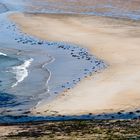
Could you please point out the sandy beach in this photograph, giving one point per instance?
(33, 71)
(69, 69)
(115, 41)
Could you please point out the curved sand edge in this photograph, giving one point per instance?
(115, 41)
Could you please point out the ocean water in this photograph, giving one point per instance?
(6, 65)
(13, 70)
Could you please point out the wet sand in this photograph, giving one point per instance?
(115, 41)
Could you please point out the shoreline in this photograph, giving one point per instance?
(18, 90)
(113, 40)
(77, 61)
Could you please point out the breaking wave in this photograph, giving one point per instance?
(21, 71)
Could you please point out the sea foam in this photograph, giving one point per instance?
(3, 54)
(21, 71)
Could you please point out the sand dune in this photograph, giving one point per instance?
(115, 41)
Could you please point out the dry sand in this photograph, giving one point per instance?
(115, 41)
